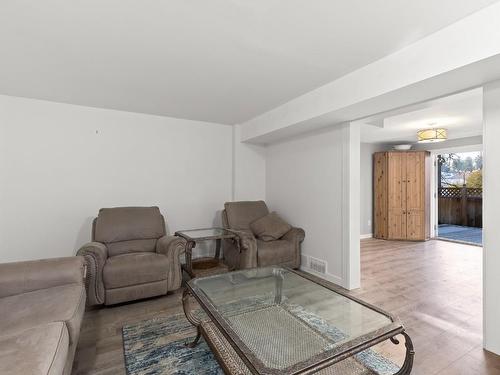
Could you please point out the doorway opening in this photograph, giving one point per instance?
(459, 195)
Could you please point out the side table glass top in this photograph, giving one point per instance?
(279, 319)
(205, 233)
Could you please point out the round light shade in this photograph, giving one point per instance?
(432, 135)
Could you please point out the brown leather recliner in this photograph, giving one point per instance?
(251, 252)
(131, 256)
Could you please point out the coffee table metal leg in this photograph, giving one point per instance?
(410, 353)
(189, 258)
(191, 318)
(196, 339)
(217, 248)
(278, 292)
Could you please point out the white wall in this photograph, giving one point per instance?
(491, 208)
(60, 163)
(304, 184)
(249, 169)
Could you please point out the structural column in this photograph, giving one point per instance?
(351, 260)
(491, 210)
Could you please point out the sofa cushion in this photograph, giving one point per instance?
(274, 252)
(270, 227)
(40, 350)
(128, 223)
(136, 268)
(64, 303)
(241, 214)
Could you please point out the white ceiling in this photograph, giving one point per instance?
(461, 114)
(222, 61)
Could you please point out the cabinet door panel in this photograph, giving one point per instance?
(396, 178)
(397, 224)
(380, 195)
(415, 181)
(415, 225)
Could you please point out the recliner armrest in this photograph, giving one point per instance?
(27, 276)
(294, 234)
(172, 247)
(95, 255)
(168, 244)
(247, 246)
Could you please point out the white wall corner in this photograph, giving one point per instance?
(491, 234)
(249, 169)
(366, 236)
(350, 206)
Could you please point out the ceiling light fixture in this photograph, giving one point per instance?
(432, 135)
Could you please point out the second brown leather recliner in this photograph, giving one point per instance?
(250, 251)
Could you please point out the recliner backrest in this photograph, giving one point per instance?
(128, 229)
(240, 214)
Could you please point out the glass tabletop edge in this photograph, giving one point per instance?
(343, 292)
(184, 234)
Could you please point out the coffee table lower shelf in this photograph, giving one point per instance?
(201, 267)
(232, 364)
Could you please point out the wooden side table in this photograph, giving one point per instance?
(204, 266)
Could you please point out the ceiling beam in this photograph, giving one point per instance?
(461, 56)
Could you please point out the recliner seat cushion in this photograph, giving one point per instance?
(270, 227)
(128, 223)
(241, 214)
(64, 303)
(133, 269)
(135, 292)
(274, 252)
(40, 350)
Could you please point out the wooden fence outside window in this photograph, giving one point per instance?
(461, 206)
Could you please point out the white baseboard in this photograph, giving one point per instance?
(327, 276)
(365, 236)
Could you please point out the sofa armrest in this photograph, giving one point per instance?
(95, 255)
(22, 277)
(294, 234)
(172, 247)
(247, 244)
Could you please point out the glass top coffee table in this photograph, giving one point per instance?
(275, 320)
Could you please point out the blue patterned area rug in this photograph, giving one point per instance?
(156, 347)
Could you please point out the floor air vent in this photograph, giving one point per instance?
(317, 265)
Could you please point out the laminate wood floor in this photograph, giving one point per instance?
(434, 287)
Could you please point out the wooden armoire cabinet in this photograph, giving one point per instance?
(401, 199)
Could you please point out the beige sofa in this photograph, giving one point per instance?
(131, 256)
(42, 304)
(250, 251)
